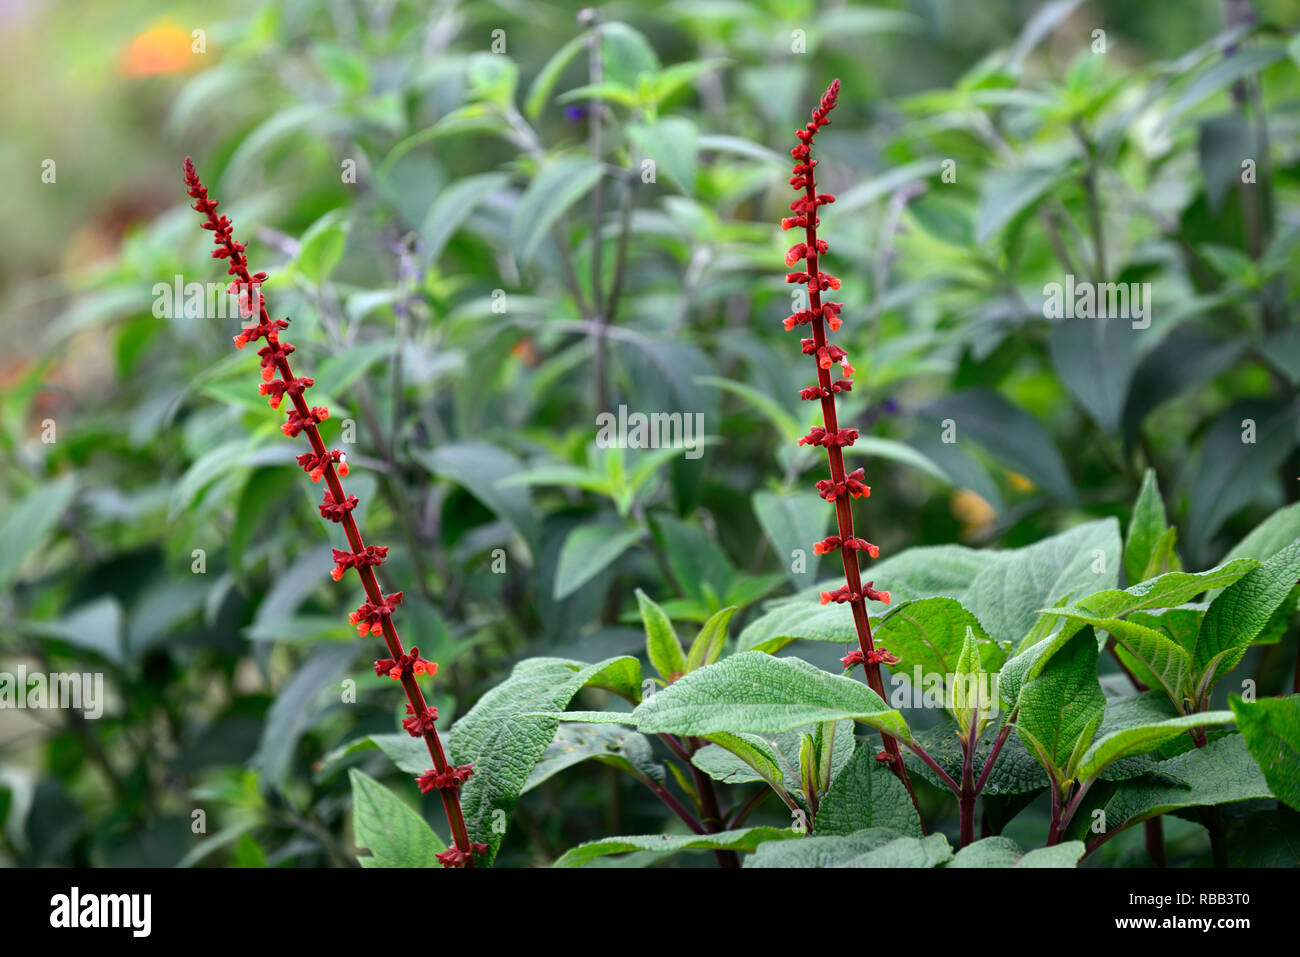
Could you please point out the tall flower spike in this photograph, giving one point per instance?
(842, 486)
(375, 614)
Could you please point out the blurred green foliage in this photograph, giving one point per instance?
(499, 271)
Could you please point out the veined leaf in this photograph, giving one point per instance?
(395, 835)
(929, 633)
(1062, 708)
(1004, 852)
(1271, 728)
(752, 691)
(1241, 611)
(744, 839)
(504, 737)
(1144, 738)
(867, 794)
(1145, 530)
(1162, 661)
(873, 847)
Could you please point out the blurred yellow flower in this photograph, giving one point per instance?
(164, 48)
(1019, 482)
(973, 511)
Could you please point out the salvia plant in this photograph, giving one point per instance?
(374, 616)
(983, 691)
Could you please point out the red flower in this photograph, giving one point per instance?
(421, 723)
(842, 486)
(448, 779)
(374, 615)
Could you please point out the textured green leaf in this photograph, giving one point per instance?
(752, 691)
(866, 795)
(873, 847)
(1145, 529)
(1144, 738)
(504, 737)
(588, 551)
(744, 839)
(929, 633)
(662, 644)
(1007, 596)
(1161, 660)
(1016, 772)
(1004, 852)
(1271, 727)
(577, 742)
(1241, 611)
(1222, 772)
(1062, 707)
(395, 835)
(1270, 536)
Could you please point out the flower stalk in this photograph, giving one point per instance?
(375, 615)
(842, 486)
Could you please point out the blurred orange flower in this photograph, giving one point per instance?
(164, 48)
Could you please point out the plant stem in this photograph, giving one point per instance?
(1155, 840)
(711, 816)
(967, 795)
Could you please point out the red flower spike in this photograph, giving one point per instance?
(448, 779)
(419, 723)
(842, 486)
(455, 857)
(337, 505)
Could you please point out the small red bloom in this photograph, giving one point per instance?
(335, 510)
(448, 779)
(853, 658)
(369, 618)
(455, 857)
(370, 555)
(419, 724)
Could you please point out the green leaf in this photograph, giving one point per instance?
(1228, 473)
(294, 710)
(1062, 707)
(744, 839)
(708, 644)
(1005, 194)
(1222, 772)
(793, 522)
(752, 691)
(588, 551)
(1144, 738)
(544, 83)
(873, 847)
(1270, 536)
(452, 207)
(477, 466)
(322, 247)
(576, 742)
(1095, 359)
(95, 626)
(673, 144)
(663, 647)
(929, 634)
(1006, 597)
(394, 834)
(867, 794)
(626, 53)
(550, 195)
(1271, 728)
(1162, 661)
(504, 737)
(1241, 611)
(1222, 74)
(1004, 852)
(1145, 529)
(29, 522)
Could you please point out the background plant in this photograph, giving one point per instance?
(481, 171)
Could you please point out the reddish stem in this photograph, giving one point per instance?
(463, 856)
(834, 454)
